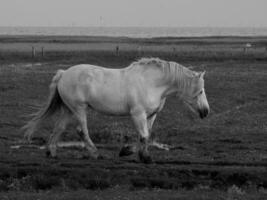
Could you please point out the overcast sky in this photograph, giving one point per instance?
(219, 13)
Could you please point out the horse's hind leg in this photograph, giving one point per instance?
(58, 130)
(150, 122)
(82, 120)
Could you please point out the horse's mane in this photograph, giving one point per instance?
(165, 65)
(150, 61)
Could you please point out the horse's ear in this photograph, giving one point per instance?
(201, 74)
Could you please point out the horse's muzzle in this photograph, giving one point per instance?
(203, 112)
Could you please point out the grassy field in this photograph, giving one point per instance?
(221, 157)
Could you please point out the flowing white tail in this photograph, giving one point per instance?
(53, 104)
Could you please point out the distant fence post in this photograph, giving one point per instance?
(174, 50)
(139, 49)
(33, 52)
(117, 50)
(42, 52)
(247, 46)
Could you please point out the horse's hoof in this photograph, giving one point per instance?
(100, 157)
(86, 157)
(49, 155)
(126, 151)
(93, 155)
(145, 157)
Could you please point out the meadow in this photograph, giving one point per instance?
(221, 157)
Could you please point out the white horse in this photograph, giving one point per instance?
(138, 91)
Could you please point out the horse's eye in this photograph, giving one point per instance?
(198, 94)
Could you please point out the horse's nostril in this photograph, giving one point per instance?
(203, 113)
(206, 112)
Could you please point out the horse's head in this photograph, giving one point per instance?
(195, 97)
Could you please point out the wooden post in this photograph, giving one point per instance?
(140, 51)
(117, 50)
(42, 52)
(174, 50)
(33, 52)
(247, 47)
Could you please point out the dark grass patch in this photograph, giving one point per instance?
(231, 140)
(93, 177)
(162, 183)
(167, 183)
(41, 182)
(191, 179)
(27, 180)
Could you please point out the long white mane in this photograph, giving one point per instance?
(172, 68)
(174, 72)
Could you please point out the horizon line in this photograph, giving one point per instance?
(93, 26)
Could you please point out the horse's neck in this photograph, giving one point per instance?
(179, 80)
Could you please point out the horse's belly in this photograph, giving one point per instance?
(108, 102)
(108, 107)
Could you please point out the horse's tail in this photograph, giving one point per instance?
(53, 104)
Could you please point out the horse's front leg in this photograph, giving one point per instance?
(153, 141)
(129, 149)
(140, 121)
(150, 122)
